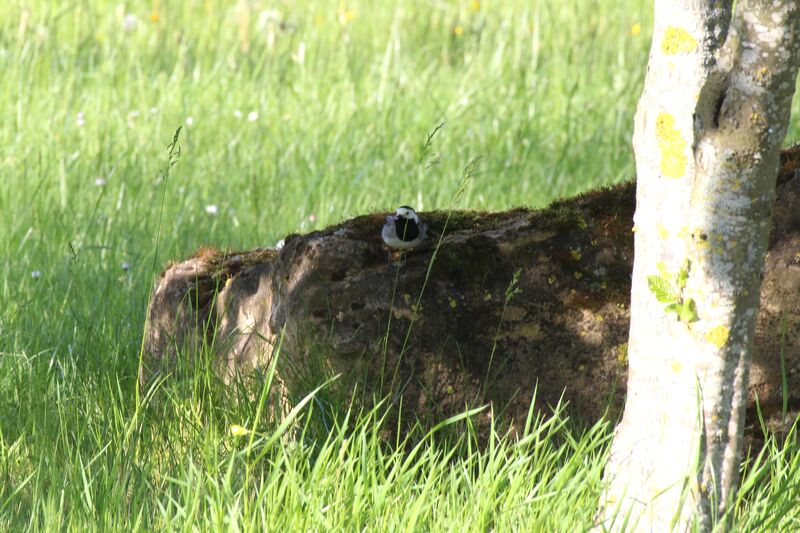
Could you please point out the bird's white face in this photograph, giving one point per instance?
(407, 213)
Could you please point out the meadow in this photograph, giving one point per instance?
(294, 115)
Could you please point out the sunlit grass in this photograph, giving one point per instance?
(294, 115)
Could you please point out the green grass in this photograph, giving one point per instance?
(342, 96)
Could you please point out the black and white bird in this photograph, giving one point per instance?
(404, 230)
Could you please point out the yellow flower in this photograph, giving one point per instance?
(237, 431)
(718, 336)
(458, 31)
(636, 28)
(154, 16)
(475, 6)
(345, 15)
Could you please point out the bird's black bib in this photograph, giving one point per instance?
(407, 229)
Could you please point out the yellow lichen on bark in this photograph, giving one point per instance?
(677, 41)
(671, 145)
(718, 336)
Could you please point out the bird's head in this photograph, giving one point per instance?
(407, 213)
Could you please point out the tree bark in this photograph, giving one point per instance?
(708, 129)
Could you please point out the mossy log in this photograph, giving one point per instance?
(490, 308)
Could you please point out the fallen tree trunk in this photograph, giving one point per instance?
(490, 308)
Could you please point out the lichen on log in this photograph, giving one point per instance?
(343, 305)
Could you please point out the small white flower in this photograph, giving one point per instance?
(189, 121)
(153, 110)
(464, 101)
(237, 113)
(100, 182)
(36, 274)
(252, 116)
(80, 121)
(130, 22)
(126, 266)
(212, 210)
(181, 189)
(268, 16)
(300, 56)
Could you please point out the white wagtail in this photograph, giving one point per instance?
(404, 230)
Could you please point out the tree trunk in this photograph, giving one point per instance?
(709, 126)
